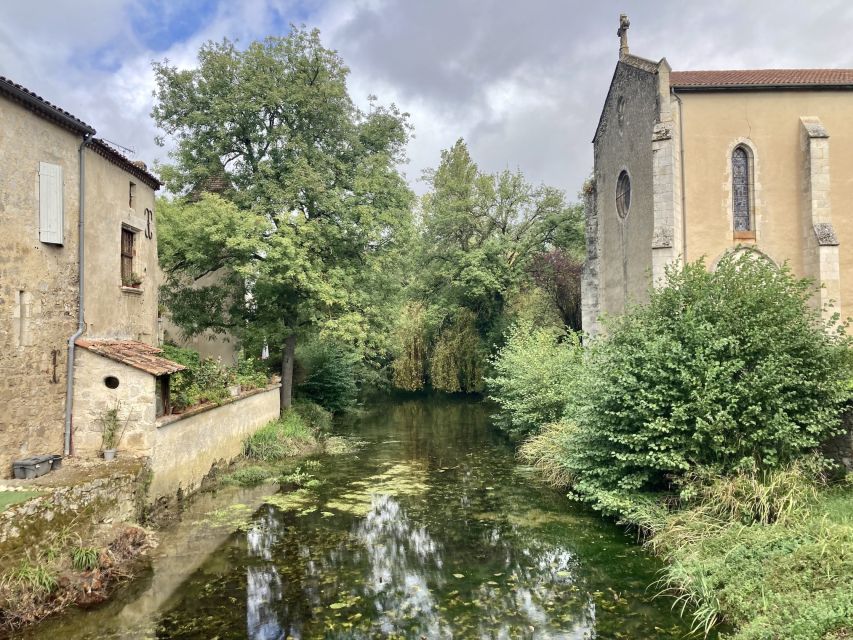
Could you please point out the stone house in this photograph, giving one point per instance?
(57, 182)
(692, 164)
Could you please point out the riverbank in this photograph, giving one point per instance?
(74, 535)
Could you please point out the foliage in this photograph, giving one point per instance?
(250, 476)
(543, 450)
(85, 558)
(112, 427)
(458, 357)
(558, 273)
(477, 238)
(533, 378)
(330, 374)
(288, 436)
(776, 563)
(313, 212)
(250, 373)
(409, 366)
(319, 418)
(32, 576)
(720, 369)
(203, 380)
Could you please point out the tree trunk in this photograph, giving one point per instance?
(287, 372)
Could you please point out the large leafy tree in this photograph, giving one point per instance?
(479, 234)
(312, 210)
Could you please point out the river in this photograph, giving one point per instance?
(433, 530)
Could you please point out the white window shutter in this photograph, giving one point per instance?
(51, 221)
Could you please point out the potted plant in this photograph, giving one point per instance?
(133, 280)
(112, 431)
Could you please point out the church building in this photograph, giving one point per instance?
(696, 164)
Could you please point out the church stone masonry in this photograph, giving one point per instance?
(697, 164)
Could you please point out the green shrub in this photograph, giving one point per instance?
(288, 436)
(312, 413)
(330, 375)
(249, 476)
(533, 378)
(202, 380)
(250, 373)
(720, 369)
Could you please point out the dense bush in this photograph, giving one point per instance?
(458, 357)
(331, 371)
(203, 380)
(533, 377)
(719, 369)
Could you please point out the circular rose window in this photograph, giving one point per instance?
(623, 194)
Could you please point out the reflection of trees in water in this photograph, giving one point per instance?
(394, 577)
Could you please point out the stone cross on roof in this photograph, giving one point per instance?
(624, 23)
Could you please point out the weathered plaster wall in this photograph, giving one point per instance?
(770, 123)
(625, 143)
(135, 395)
(186, 447)
(113, 311)
(33, 348)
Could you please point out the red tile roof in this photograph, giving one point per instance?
(132, 353)
(757, 78)
(42, 107)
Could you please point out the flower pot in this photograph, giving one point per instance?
(109, 454)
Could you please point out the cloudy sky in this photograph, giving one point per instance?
(522, 82)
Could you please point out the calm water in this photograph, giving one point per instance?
(433, 531)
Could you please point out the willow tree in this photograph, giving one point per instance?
(304, 237)
(479, 235)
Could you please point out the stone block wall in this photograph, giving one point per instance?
(187, 446)
(134, 396)
(38, 286)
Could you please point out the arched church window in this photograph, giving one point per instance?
(623, 194)
(741, 189)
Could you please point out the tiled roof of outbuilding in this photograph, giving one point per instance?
(132, 353)
(41, 106)
(762, 78)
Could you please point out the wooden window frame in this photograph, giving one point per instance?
(128, 251)
(165, 387)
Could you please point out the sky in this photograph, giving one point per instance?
(522, 82)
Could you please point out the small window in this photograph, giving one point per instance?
(742, 191)
(128, 238)
(132, 195)
(162, 400)
(111, 382)
(620, 111)
(623, 194)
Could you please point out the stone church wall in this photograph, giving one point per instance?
(624, 142)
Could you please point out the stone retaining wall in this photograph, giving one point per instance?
(188, 446)
(73, 497)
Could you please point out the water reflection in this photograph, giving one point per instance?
(432, 532)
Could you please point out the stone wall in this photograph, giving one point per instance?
(187, 446)
(114, 311)
(38, 286)
(75, 496)
(840, 448)
(134, 396)
(622, 250)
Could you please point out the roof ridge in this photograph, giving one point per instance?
(45, 108)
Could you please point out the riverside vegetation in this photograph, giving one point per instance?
(698, 419)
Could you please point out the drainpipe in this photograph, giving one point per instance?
(683, 192)
(81, 324)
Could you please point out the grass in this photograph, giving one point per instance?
(9, 498)
(770, 554)
(85, 558)
(291, 435)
